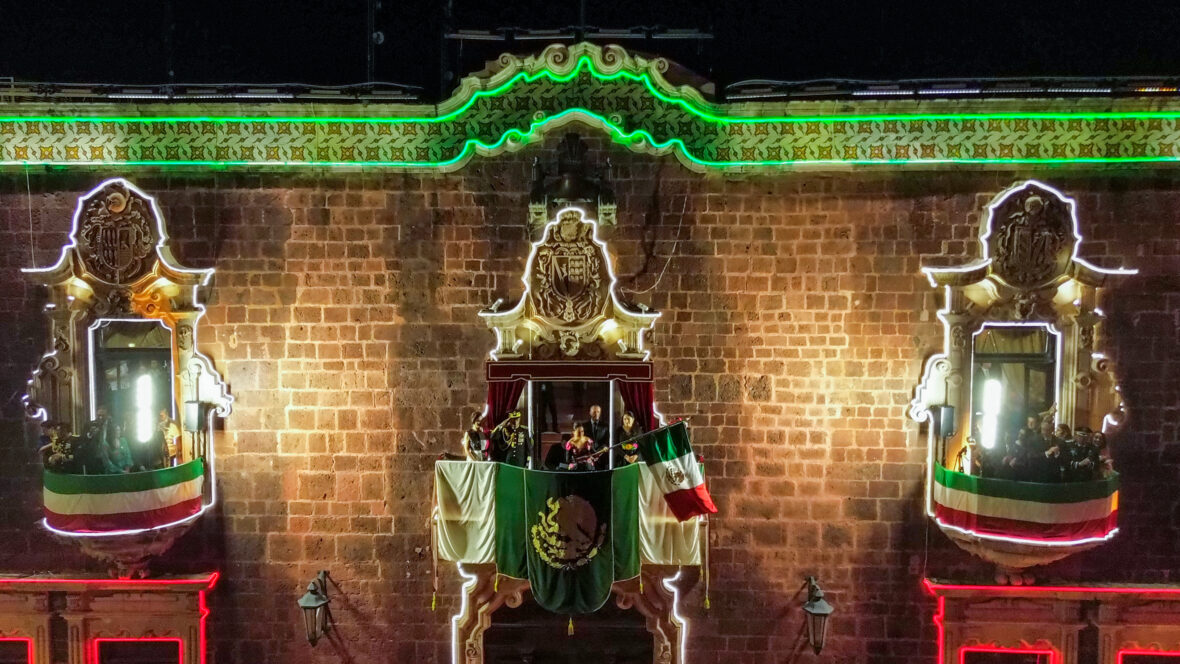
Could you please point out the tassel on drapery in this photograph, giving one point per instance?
(569, 630)
(705, 530)
(433, 548)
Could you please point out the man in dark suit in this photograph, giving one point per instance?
(598, 430)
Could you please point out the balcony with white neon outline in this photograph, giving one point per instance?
(125, 400)
(1022, 344)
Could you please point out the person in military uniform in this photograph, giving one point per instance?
(476, 443)
(513, 444)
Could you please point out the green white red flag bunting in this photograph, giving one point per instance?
(1057, 513)
(126, 501)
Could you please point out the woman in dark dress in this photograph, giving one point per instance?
(578, 450)
(628, 451)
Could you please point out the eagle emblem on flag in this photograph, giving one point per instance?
(568, 534)
(674, 477)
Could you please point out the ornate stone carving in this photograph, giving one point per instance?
(570, 308)
(184, 337)
(1031, 237)
(568, 276)
(116, 234)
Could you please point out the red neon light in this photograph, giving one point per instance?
(1052, 654)
(202, 607)
(204, 613)
(1153, 653)
(938, 622)
(208, 581)
(931, 587)
(28, 645)
(95, 643)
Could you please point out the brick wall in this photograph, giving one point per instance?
(795, 326)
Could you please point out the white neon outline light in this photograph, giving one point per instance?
(162, 251)
(471, 580)
(919, 409)
(223, 404)
(650, 317)
(670, 586)
(999, 200)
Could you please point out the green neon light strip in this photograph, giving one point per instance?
(637, 138)
(617, 134)
(585, 64)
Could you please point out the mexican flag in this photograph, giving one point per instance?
(571, 535)
(125, 501)
(1051, 513)
(669, 456)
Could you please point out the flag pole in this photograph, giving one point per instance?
(621, 443)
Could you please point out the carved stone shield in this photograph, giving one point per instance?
(1032, 237)
(116, 234)
(568, 279)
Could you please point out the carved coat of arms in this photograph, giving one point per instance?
(568, 281)
(116, 235)
(1030, 243)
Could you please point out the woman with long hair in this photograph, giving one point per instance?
(630, 428)
(578, 450)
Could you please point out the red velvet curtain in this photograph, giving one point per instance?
(502, 398)
(639, 397)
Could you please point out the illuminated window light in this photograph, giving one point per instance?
(143, 408)
(992, 398)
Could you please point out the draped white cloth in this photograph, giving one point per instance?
(466, 493)
(466, 511)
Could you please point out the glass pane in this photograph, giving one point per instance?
(139, 652)
(1014, 373)
(1145, 658)
(133, 394)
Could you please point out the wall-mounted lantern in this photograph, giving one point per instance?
(316, 616)
(817, 610)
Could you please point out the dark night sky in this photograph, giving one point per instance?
(322, 41)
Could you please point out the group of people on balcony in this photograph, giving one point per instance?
(587, 447)
(1042, 452)
(104, 448)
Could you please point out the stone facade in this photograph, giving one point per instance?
(795, 324)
